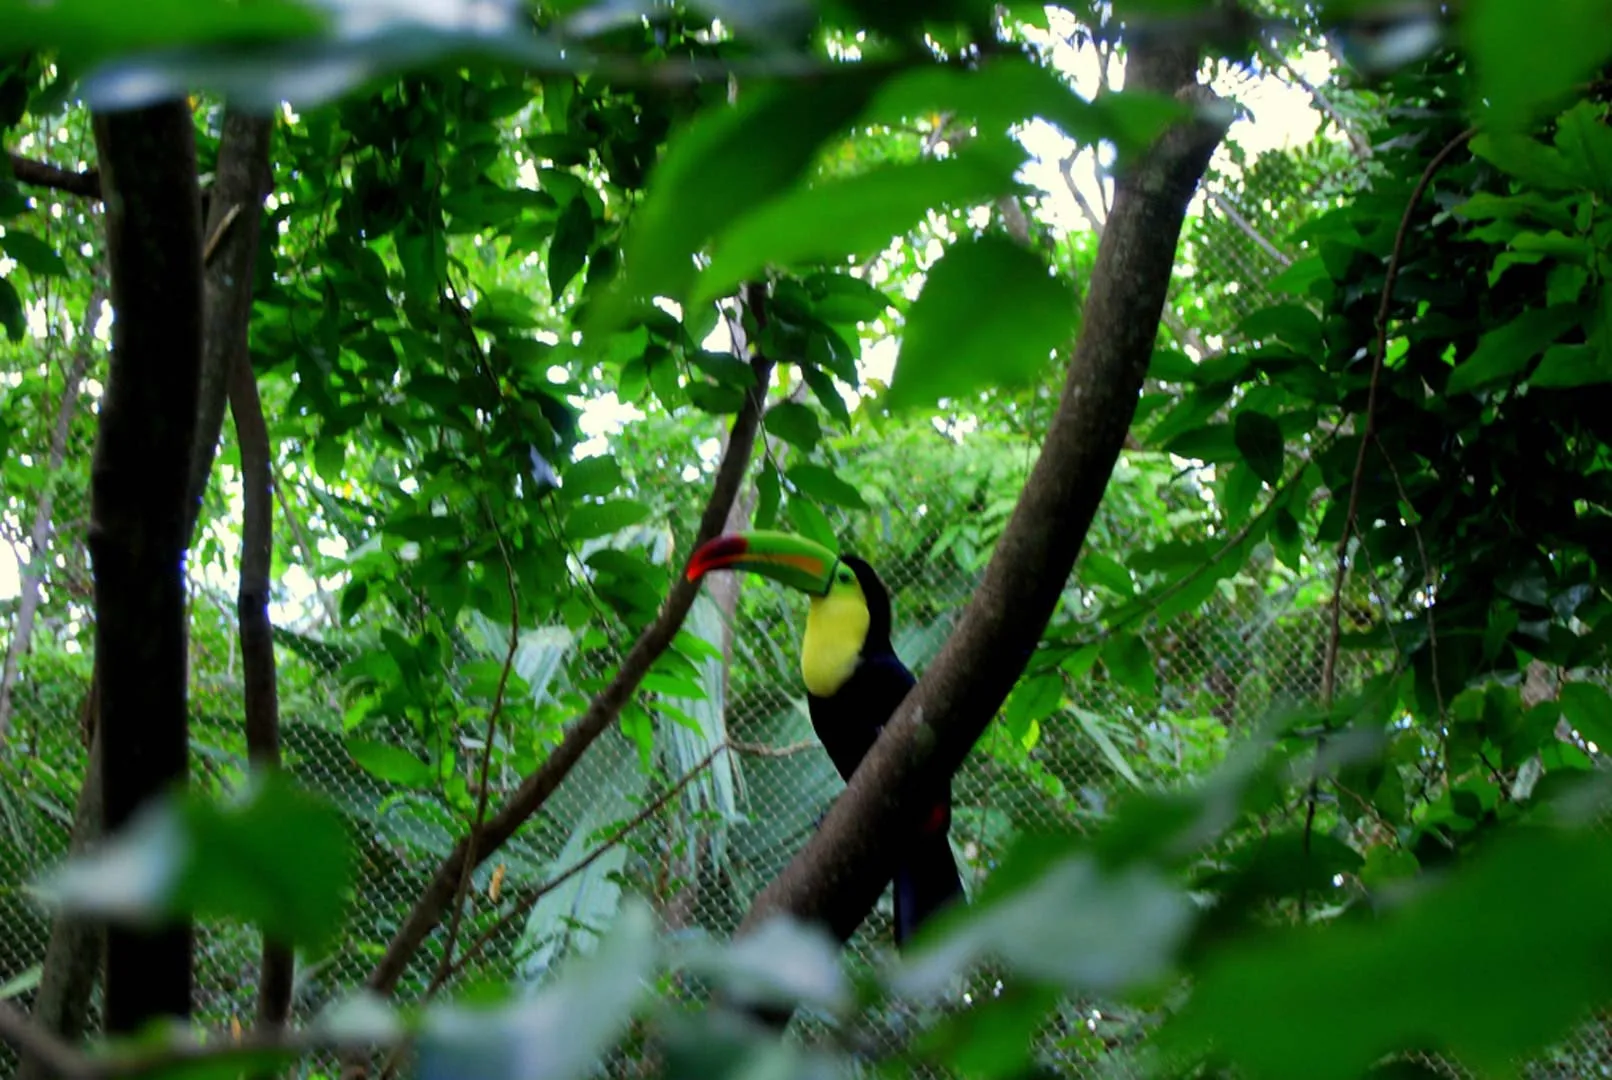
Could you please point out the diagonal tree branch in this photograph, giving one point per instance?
(42, 174)
(837, 877)
(535, 789)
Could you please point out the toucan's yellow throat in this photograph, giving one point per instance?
(836, 630)
(836, 626)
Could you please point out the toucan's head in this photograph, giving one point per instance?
(801, 564)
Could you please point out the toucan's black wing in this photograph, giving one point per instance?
(849, 722)
(926, 876)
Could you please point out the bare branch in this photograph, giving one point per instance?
(42, 174)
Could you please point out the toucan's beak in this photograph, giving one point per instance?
(792, 560)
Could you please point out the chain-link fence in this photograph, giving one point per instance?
(736, 781)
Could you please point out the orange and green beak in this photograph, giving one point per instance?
(791, 560)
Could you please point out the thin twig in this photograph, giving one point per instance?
(1329, 667)
(446, 965)
(218, 234)
(528, 902)
(1429, 583)
(456, 912)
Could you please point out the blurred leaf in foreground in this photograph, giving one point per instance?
(278, 858)
(1489, 965)
(560, 1032)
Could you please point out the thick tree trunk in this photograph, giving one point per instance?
(138, 528)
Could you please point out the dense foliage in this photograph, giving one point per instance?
(1304, 778)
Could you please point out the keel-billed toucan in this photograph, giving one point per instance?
(854, 681)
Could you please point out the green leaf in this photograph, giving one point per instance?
(1033, 700)
(795, 424)
(1506, 351)
(843, 298)
(1526, 56)
(1073, 925)
(823, 389)
(989, 315)
(32, 254)
(1259, 440)
(353, 598)
(1588, 708)
(726, 162)
(87, 30)
(589, 521)
(278, 859)
(594, 477)
(591, 999)
(392, 764)
(1585, 141)
(995, 1039)
(1571, 365)
(1455, 967)
(712, 398)
(1130, 663)
(1528, 160)
(856, 217)
(784, 962)
(1295, 324)
(813, 524)
(1104, 570)
(1010, 90)
(823, 485)
(1092, 724)
(768, 493)
(568, 251)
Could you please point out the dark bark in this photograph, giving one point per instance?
(138, 526)
(837, 877)
(42, 174)
(234, 220)
(39, 537)
(536, 788)
(242, 183)
(257, 640)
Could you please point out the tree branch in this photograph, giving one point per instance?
(40, 174)
(836, 878)
(33, 574)
(240, 185)
(138, 524)
(535, 789)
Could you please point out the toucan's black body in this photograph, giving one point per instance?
(848, 722)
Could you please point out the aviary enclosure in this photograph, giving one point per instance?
(1222, 392)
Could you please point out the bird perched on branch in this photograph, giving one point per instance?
(854, 682)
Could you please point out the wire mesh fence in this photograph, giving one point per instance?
(734, 782)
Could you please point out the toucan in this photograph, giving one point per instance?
(854, 682)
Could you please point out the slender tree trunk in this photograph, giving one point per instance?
(39, 537)
(257, 641)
